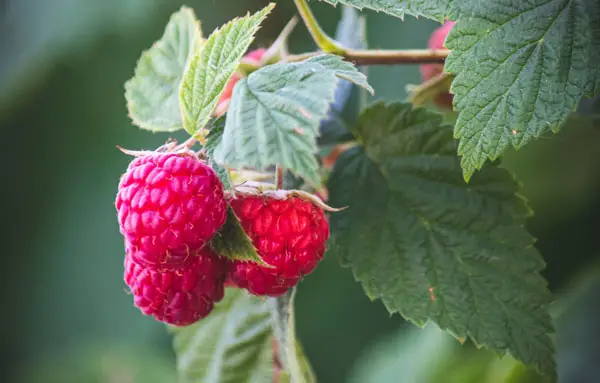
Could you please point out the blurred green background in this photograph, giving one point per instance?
(66, 315)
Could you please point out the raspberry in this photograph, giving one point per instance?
(168, 205)
(181, 296)
(289, 234)
(436, 41)
(259, 281)
(226, 95)
(253, 57)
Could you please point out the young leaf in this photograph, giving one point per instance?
(233, 243)
(521, 69)
(274, 114)
(210, 69)
(153, 93)
(433, 9)
(232, 344)
(432, 247)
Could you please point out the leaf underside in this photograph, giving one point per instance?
(210, 69)
(152, 94)
(274, 114)
(432, 247)
(231, 345)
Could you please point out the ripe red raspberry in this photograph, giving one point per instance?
(253, 57)
(289, 234)
(168, 205)
(436, 41)
(181, 296)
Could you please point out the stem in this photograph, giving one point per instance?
(362, 56)
(282, 313)
(279, 176)
(384, 56)
(189, 143)
(324, 42)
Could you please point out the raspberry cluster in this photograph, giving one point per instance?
(169, 207)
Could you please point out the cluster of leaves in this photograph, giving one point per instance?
(416, 235)
(520, 67)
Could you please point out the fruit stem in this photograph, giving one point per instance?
(279, 176)
(282, 314)
(324, 42)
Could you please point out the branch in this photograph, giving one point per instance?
(362, 57)
(383, 56)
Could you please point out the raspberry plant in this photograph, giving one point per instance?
(418, 216)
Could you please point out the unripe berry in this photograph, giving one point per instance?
(169, 205)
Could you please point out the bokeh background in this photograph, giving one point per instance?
(66, 315)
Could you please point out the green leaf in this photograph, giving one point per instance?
(152, 94)
(432, 247)
(433, 9)
(521, 69)
(213, 139)
(210, 69)
(274, 114)
(232, 344)
(233, 243)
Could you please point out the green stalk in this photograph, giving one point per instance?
(324, 42)
(282, 313)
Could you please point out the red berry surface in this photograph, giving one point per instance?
(226, 95)
(254, 56)
(178, 296)
(436, 41)
(289, 235)
(169, 205)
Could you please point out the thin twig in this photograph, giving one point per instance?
(358, 56)
(384, 56)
